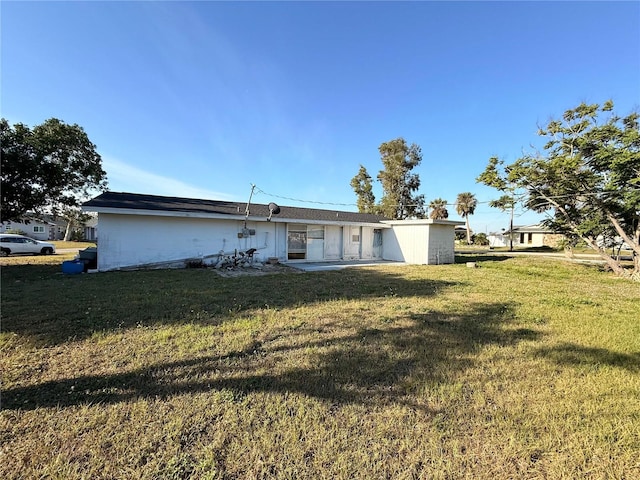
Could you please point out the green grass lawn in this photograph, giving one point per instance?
(522, 368)
(79, 245)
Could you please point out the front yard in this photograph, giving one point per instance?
(522, 368)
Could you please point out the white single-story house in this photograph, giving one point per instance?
(146, 230)
(49, 227)
(533, 236)
(44, 228)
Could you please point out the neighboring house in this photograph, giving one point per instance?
(25, 227)
(533, 236)
(145, 230)
(57, 228)
(46, 227)
(90, 229)
(34, 228)
(49, 227)
(461, 232)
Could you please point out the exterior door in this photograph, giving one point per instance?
(332, 242)
(352, 243)
(315, 242)
(377, 243)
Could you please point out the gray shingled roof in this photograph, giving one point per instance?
(136, 201)
(537, 228)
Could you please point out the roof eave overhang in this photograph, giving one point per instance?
(225, 216)
(423, 222)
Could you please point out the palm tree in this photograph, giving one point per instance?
(465, 205)
(438, 209)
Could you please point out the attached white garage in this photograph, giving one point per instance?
(145, 230)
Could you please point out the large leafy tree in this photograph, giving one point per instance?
(52, 166)
(496, 175)
(399, 184)
(588, 178)
(363, 188)
(466, 205)
(438, 209)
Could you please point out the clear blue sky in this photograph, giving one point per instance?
(203, 99)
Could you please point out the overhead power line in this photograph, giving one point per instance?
(517, 197)
(259, 190)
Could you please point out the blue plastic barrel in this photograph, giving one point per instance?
(72, 267)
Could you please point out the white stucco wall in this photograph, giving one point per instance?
(421, 242)
(406, 243)
(134, 240)
(137, 240)
(441, 244)
(280, 241)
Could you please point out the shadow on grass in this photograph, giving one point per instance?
(392, 363)
(577, 355)
(50, 308)
(480, 257)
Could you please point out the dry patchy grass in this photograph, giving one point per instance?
(522, 368)
(55, 259)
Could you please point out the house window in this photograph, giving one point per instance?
(530, 238)
(355, 238)
(38, 229)
(316, 233)
(297, 242)
(522, 238)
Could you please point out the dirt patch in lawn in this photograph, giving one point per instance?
(256, 270)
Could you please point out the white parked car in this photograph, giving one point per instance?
(11, 243)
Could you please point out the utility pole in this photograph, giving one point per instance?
(246, 211)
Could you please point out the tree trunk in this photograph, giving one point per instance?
(633, 243)
(611, 262)
(511, 229)
(67, 233)
(468, 230)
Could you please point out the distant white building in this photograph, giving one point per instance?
(497, 240)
